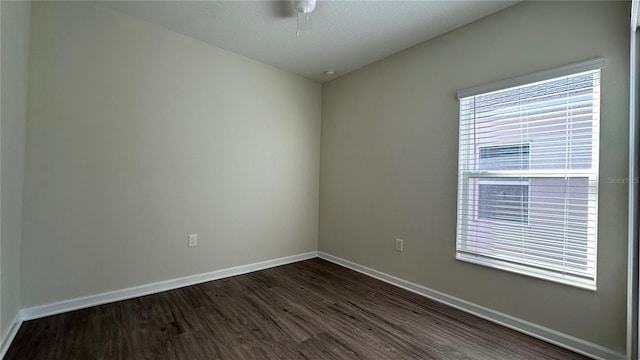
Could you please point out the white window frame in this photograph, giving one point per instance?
(521, 268)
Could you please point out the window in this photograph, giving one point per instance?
(498, 198)
(504, 157)
(528, 174)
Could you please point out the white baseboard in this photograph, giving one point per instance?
(11, 334)
(35, 312)
(549, 335)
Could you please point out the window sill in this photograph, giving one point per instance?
(565, 279)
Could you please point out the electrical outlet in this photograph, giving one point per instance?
(193, 240)
(399, 244)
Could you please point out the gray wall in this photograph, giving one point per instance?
(13, 114)
(137, 136)
(389, 160)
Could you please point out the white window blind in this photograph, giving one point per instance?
(528, 177)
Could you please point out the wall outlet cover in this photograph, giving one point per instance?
(193, 240)
(399, 244)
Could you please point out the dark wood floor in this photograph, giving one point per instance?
(308, 310)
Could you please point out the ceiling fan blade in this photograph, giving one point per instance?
(282, 9)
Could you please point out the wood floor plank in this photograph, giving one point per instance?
(307, 310)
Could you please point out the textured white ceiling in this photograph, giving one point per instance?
(345, 35)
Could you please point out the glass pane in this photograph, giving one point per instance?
(505, 157)
(503, 200)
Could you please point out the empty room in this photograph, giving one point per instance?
(319, 179)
